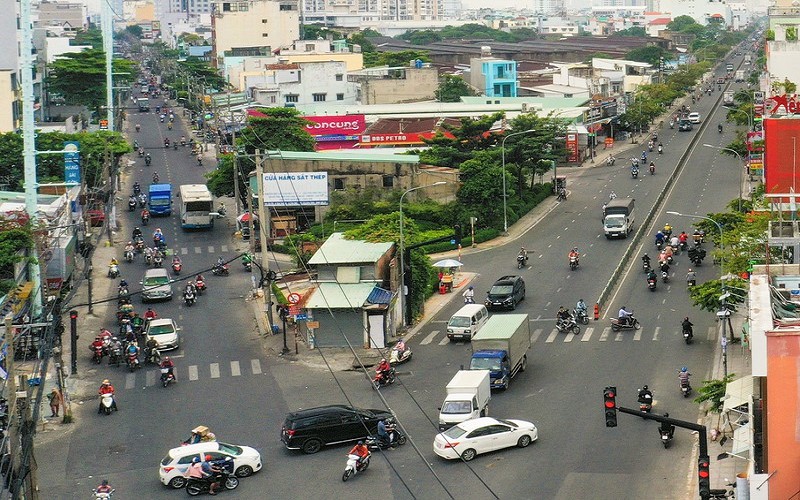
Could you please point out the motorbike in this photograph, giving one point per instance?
(573, 263)
(666, 437)
(682, 245)
(148, 160)
(131, 204)
(141, 153)
(690, 283)
(659, 245)
(175, 146)
(137, 189)
(158, 260)
(568, 326)
(248, 265)
(176, 266)
(631, 324)
(142, 200)
(687, 336)
(129, 256)
(635, 173)
(610, 161)
(646, 267)
(123, 295)
(686, 388)
(397, 357)
(188, 298)
(102, 495)
(155, 178)
(646, 403)
(113, 271)
(664, 277)
(115, 356)
(145, 220)
(385, 378)
(520, 261)
(719, 128)
(152, 356)
(354, 466)
(660, 149)
(580, 316)
(226, 479)
(200, 285)
(133, 362)
(375, 443)
(220, 270)
(166, 143)
(107, 403)
(651, 284)
(672, 124)
(652, 170)
(97, 354)
(166, 377)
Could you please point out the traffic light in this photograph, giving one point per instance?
(610, 403)
(73, 315)
(457, 234)
(703, 477)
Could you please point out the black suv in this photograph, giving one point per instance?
(506, 293)
(308, 430)
(684, 125)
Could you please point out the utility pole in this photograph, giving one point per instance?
(263, 225)
(29, 148)
(107, 25)
(236, 166)
(13, 421)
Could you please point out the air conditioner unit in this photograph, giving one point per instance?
(526, 108)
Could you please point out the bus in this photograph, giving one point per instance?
(196, 207)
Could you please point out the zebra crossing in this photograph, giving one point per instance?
(587, 334)
(193, 373)
(196, 250)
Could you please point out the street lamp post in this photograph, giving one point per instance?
(723, 313)
(402, 250)
(503, 152)
(741, 173)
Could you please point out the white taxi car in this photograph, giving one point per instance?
(482, 435)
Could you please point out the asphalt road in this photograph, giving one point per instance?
(226, 382)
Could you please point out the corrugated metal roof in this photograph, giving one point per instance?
(379, 296)
(344, 155)
(339, 296)
(337, 250)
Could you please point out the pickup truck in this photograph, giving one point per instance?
(501, 347)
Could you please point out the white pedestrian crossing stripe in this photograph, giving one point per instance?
(587, 334)
(429, 338)
(255, 366)
(445, 340)
(150, 378)
(604, 335)
(235, 371)
(552, 337)
(198, 250)
(193, 372)
(214, 370)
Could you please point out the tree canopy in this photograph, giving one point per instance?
(648, 54)
(452, 88)
(636, 31)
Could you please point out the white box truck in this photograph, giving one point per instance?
(468, 394)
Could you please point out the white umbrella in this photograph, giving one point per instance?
(448, 263)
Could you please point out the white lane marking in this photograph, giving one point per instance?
(224, 249)
(656, 332)
(552, 336)
(193, 372)
(429, 338)
(184, 251)
(214, 367)
(618, 337)
(569, 337)
(198, 250)
(255, 365)
(547, 305)
(587, 334)
(150, 378)
(130, 380)
(235, 370)
(445, 340)
(637, 335)
(604, 335)
(211, 249)
(535, 335)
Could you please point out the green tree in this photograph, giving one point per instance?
(91, 36)
(680, 23)
(220, 180)
(707, 295)
(533, 153)
(402, 58)
(191, 39)
(636, 31)
(201, 71)
(482, 187)
(471, 135)
(713, 391)
(319, 31)
(135, 30)
(421, 37)
(80, 77)
(281, 129)
(648, 54)
(452, 88)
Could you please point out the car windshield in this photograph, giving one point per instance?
(456, 407)
(459, 322)
(501, 290)
(508, 423)
(614, 221)
(491, 364)
(156, 281)
(159, 202)
(161, 330)
(454, 433)
(166, 460)
(230, 449)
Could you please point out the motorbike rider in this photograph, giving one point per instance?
(129, 247)
(674, 242)
(137, 188)
(382, 370)
(660, 148)
(719, 128)
(137, 233)
(651, 276)
(581, 308)
(104, 487)
(166, 139)
(686, 326)
(523, 253)
(361, 450)
(667, 230)
(150, 314)
(660, 238)
(188, 292)
(666, 427)
(697, 236)
(170, 366)
(623, 316)
(400, 346)
(646, 260)
(210, 470)
(107, 388)
(563, 316)
(691, 277)
(148, 159)
(155, 177)
(683, 238)
(138, 127)
(645, 395)
(114, 262)
(98, 343)
(383, 436)
(612, 195)
(469, 295)
(668, 252)
(145, 215)
(176, 260)
(644, 156)
(574, 253)
(151, 349)
(683, 376)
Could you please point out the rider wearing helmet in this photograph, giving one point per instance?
(361, 450)
(469, 295)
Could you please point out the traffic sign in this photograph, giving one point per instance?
(301, 317)
(294, 298)
(294, 310)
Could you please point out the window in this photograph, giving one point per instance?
(310, 47)
(339, 77)
(319, 97)
(264, 35)
(186, 460)
(338, 184)
(388, 181)
(340, 97)
(263, 21)
(292, 98)
(286, 7)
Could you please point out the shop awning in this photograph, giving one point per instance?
(742, 440)
(738, 393)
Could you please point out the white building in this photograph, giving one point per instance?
(605, 77)
(702, 11)
(784, 51)
(298, 84)
(253, 27)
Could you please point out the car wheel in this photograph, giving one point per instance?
(244, 471)
(469, 454)
(311, 446)
(524, 441)
(177, 482)
(524, 363)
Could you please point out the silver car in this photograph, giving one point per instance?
(156, 285)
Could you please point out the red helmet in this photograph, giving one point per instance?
(208, 458)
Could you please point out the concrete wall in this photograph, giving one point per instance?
(312, 82)
(782, 60)
(418, 85)
(256, 23)
(9, 112)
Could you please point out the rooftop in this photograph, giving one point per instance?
(344, 155)
(337, 250)
(339, 295)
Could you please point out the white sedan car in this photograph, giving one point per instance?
(482, 435)
(175, 465)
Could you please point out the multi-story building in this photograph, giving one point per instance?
(67, 15)
(253, 27)
(494, 77)
(783, 42)
(10, 95)
(386, 85)
(297, 84)
(702, 11)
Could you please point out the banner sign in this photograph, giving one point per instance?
(72, 162)
(572, 147)
(399, 139)
(295, 189)
(347, 125)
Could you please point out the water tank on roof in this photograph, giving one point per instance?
(418, 63)
(486, 51)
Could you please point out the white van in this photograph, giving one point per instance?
(467, 321)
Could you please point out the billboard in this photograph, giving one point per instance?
(347, 125)
(294, 189)
(72, 162)
(781, 155)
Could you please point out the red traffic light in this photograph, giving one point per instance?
(73, 315)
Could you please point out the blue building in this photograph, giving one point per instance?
(494, 77)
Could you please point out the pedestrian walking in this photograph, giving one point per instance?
(55, 401)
